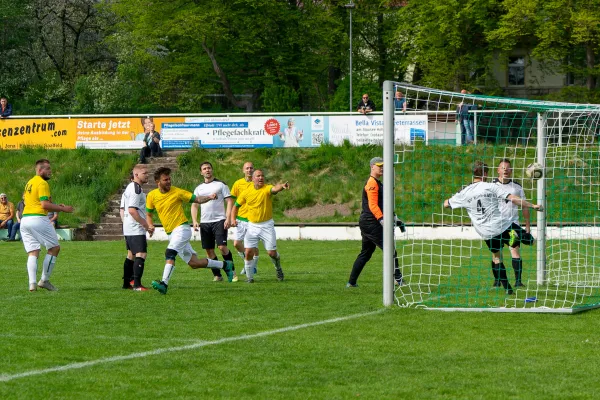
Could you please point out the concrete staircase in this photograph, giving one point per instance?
(110, 226)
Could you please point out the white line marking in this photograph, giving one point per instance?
(85, 364)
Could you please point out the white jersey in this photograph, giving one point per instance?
(509, 210)
(133, 197)
(214, 210)
(482, 202)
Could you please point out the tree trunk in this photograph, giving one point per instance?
(590, 64)
(247, 104)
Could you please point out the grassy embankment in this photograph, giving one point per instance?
(325, 175)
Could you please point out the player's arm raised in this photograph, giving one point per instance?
(205, 199)
(279, 187)
(524, 203)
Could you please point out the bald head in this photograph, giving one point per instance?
(248, 170)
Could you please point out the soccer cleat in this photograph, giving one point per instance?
(514, 238)
(509, 291)
(349, 285)
(160, 286)
(127, 287)
(399, 282)
(235, 278)
(228, 268)
(279, 272)
(519, 284)
(140, 289)
(47, 285)
(250, 281)
(132, 282)
(217, 278)
(32, 287)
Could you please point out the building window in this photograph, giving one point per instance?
(516, 71)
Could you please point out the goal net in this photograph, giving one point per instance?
(446, 264)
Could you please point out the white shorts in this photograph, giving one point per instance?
(179, 240)
(38, 231)
(264, 231)
(240, 232)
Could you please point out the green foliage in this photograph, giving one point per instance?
(280, 98)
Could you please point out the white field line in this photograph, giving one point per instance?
(197, 345)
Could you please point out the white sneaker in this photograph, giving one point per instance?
(47, 285)
(217, 279)
(32, 287)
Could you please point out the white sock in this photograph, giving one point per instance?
(241, 253)
(255, 264)
(32, 268)
(215, 264)
(48, 266)
(169, 268)
(249, 267)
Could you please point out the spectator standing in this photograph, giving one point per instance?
(466, 120)
(7, 213)
(5, 108)
(365, 105)
(400, 102)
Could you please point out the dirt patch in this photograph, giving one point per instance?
(319, 210)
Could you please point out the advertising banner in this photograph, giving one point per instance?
(207, 132)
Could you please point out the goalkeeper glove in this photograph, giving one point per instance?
(400, 224)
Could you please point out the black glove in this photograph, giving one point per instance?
(400, 224)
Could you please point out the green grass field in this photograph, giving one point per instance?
(306, 337)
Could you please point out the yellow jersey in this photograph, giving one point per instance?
(36, 191)
(238, 188)
(259, 203)
(169, 206)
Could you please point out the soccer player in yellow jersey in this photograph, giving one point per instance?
(242, 222)
(167, 201)
(258, 199)
(36, 228)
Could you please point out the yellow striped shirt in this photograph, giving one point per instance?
(259, 203)
(169, 206)
(238, 188)
(36, 191)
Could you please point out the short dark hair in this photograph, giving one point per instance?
(479, 169)
(206, 163)
(506, 160)
(161, 171)
(41, 161)
(3, 98)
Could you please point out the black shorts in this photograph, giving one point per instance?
(211, 232)
(496, 243)
(136, 244)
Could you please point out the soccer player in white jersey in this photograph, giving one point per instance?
(259, 200)
(134, 229)
(36, 228)
(481, 200)
(510, 211)
(214, 218)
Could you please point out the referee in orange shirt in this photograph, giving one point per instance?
(371, 223)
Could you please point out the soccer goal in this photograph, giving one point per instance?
(445, 263)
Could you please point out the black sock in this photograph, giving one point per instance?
(229, 257)
(517, 264)
(127, 272)
(216, 271)
(495, 271)
(138, 271)
(503, 276)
